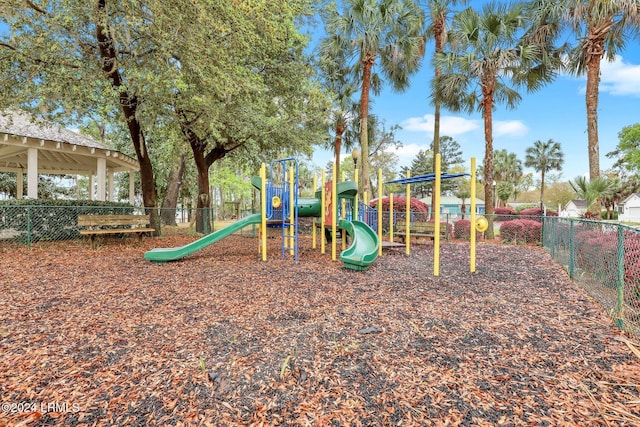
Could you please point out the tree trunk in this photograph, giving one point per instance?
(542, 190)
(203, 200)
(487, 112)
(129, 106)
(337, 147)
(593, 83)
(170, 201)
(364, 136)
(440, 37)
(203, 161)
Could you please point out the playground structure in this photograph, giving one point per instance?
(281, 207)
(337, 207)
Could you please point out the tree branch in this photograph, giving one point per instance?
(36, 60)
(36, 8)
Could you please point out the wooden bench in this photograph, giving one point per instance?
(419, 229)
(117, 224)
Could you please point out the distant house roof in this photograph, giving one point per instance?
(579, 204)
(631, 196)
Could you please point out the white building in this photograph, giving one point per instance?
(574, 208)
(629, 209)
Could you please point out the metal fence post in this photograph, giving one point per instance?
(29, 227)
(572, 250)
(620, 287)
(552, 237)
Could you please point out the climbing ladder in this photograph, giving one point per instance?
(283, 202)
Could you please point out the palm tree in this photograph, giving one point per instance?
(387, 33)
(504, 190)
(602, 28)
(436, 24)
(339, 80)
(463, 193)
(489, 52)
(591, 191)
(544, 157)
(507, 172)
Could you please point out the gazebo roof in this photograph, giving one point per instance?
(60, 151)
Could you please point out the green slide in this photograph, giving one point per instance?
(160, 255)
(364, 246)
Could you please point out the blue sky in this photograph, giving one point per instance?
(556, 112)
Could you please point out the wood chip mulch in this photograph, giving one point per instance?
(103, 337)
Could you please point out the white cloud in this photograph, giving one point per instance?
(453, 126)
(513, 128)
(449, 125)
(620, 78)
(407, 152)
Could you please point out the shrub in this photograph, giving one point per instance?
(597, 253)
(462, 230)
(504, 214)
(536, 214)
(532, 212)
(419, 210)
(521, 231)
(632, 268)
(524, 207)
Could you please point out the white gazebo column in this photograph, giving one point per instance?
(101, 171)
(91, 183)
(19, 184)
(111, 194)
(132, 186)
(32, 173)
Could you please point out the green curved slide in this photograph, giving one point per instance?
(161, 255)
(364, 245)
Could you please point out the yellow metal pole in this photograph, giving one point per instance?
(436, 234)
(314, 236)
(380, 211)
(334, 211)
(323, 208)
(263, 210)
(472, 228)
(391, 217)
(407, 227)
(292, 213)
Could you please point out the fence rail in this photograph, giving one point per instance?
(602, 257)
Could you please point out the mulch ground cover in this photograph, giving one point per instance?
(103, 337)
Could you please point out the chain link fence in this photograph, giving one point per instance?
(27, 224)
(604, 258)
